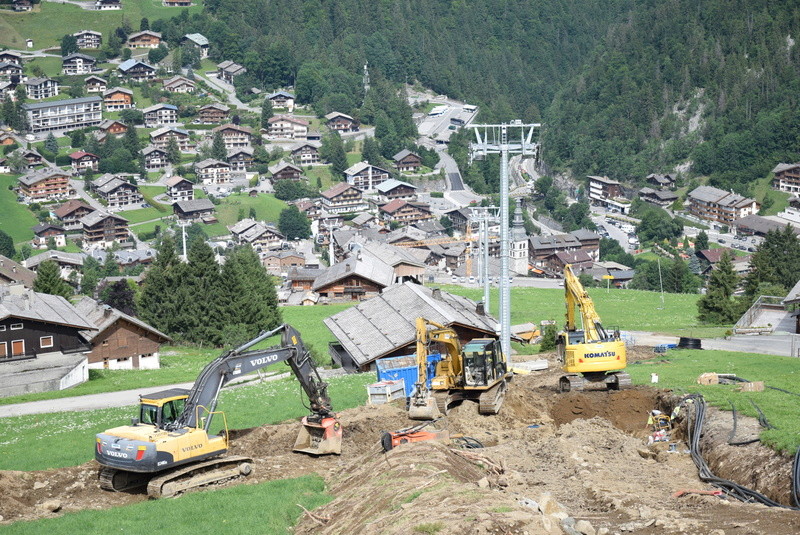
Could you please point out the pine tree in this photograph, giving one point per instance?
(218, 151)
(701, 241)
(6, 245)
(131, 140)
(91, 272)
(120, 295)
(294, 224)
(203, 316)
(776, 262)
(371, 152)
(718, 306)
(173, 151)
(50, 144)
(110, 266)
(266, 113)
(158, 299)
(49, 281)
(332, 151)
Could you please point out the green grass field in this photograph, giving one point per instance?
(50, 66)
(49, 22)
(679, 369)
(323, 172)
(15, 220)
(762, 189)
(26, 441)
(268, 208)
(269, 507)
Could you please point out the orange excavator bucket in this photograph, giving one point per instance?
(320, 438)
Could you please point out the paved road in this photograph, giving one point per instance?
(80, 187)
(229, 90)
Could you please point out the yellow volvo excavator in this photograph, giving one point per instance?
(591, 353)
(478, 372)
(169, 447)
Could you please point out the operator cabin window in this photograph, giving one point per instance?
(46, 341)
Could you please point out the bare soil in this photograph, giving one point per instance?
(547, 456)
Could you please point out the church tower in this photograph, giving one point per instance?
(519, 243)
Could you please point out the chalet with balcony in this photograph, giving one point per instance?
(259, 235)
(366, 176)
(661, 181)
(41, 88)
(12, 273)
(104, 229)
(287, 127)
(282, 99)
(137, 71)
(179, 189)
(405, 160)
(160, 137)
(119, 341)
(228, 70)
(118, 193)
(112, 127)
(195, 210)
(395, 189)
(234, 136)
(117, 98)
(81, 161)
(211, 171)
(11, 71)
(341, 123)
(197, 40)
(160, 115)
(64, 115)
(343, 198)
(33, 324)
(95, 84)
(9, 56)
(658, 197)
(306, 153)
(719, 206)
(107, 5)
(240, 159)
(32, 157)
(76, 64)
(285, 171)
(71, 212)
(356, 278)
(541, 248)
(88, 39)
(44, 232)
(405, 212)
(604, 191)
(155, 159)
(179, 84)
(579, 260)
(48, 184)
(215, 113)
(69, 264)
(144, 39)
(787, 177)
(278, 262)
(23, 5)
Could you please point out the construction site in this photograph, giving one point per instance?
(552, 462)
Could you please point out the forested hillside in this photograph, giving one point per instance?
(714, 82)
(509, 56)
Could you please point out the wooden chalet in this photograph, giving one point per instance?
(405, 160)
(395, 189)
(405, 212)
(197, 40)
(50, 183)
(76, 64)
(228, 70)
(285, 171)
(366, 176)
(282, 99)
(341, 123)
(95, 84)
(118, 193)
(88, 39)
(179, 189)
(306, 153)
(343, 198)
(179, 84)
(136, 70)
(211, 171)
(104, 229)
(71, 212)
(160, 137)
(117, 98)
(112, 127)
(154, 158)
(13, 273)
(195, 210)
(240, 159)
(43, 232)
(83, 161)
(233, 135)
(354, 279)
(214, 113)
(287, 127)
(160, 115)
(144, 39)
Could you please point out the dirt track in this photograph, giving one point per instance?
(587, 452)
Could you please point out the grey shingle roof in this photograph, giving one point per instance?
(39, 175)
(197, 38)
(51, 103)
(364, 266)
(386, 322)
(95, 314)
(18, 273)
(97, 216)
(61, 257)
(42, 307)
(392, 183)
(195, 205)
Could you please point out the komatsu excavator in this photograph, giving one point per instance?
(169, 447)
(591, 353)
(479, 372)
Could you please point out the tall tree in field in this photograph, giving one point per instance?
(131, 140)
(218, 151)
(50, 144)
(49, 281)
(6, 245)
(173, 151)
(203, 317)
(266, 113)
(776, 262)
(91, 272)
(718, 306)
(332, 151)
(69, 44)
(294, 224)
(701, 241)
(158, 302)
(120, 295)
(371, 152)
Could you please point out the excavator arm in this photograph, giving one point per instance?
(237, 362)
(576, 296)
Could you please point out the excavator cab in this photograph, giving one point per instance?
(162, 408)
(482, 361)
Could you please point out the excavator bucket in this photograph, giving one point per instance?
(423, 407)
(320, 438)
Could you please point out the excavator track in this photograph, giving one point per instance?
(198, 475)
(621, 380)
(119, 480)
(490, 401)
(570, 382)
(443, 401)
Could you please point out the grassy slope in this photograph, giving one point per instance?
(15, 218)
(26, 442)
(233, 512)
(679, 370)
(51, 21)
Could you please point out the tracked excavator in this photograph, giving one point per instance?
(478, 372)
(591, 354)
(169, 447)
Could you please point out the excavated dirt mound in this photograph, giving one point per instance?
(583, 450)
